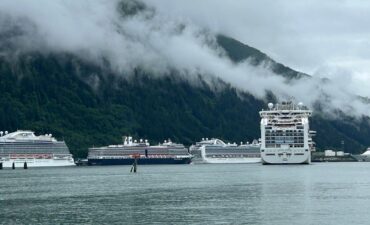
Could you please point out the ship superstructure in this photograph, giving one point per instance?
(285, 134)
(24, 146)
(216, 151)
(125, 154)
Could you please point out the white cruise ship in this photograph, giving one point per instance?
(37, 151)
(285, 134)
(216, 151)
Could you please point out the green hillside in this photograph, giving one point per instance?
(48, 94)
(89, 106)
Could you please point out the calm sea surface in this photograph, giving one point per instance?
(323, 193)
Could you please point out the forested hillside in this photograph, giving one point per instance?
(89, 106)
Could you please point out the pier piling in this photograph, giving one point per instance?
(134, 166)
(13, 166)
(25, 165)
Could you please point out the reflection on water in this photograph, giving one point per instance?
(327, 193)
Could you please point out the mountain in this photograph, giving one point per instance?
(87, 105)
(331, 132)
(239, 52)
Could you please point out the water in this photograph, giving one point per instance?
(326, 193)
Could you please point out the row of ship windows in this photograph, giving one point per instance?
(284, 137)
(234, 156)
(288, 154)
(233, 152)
(34, 151)
(295, 145)
(32, 147)
(297, 128)
(286, 131)
(283, 132)
(283, 142)
(137, 151)
(131, 153)
(33, 143)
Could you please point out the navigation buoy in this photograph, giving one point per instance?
(25, 165)
(13, 166)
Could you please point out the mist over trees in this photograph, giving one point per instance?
(87, 105)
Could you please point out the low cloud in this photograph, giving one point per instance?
(101, 31)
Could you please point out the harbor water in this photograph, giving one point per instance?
(321, 193)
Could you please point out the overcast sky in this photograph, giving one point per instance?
(328, 38)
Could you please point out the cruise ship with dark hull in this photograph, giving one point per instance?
(141, 161)
(142, 151)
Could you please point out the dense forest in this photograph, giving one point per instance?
(87, 105)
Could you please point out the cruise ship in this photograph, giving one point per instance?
(125, 154)
(216, 151)
(285, 134)
(22, 147)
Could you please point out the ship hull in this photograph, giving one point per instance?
(225, 155)
(19, 163)
(228, 160)
(284, 159)
(140, 161)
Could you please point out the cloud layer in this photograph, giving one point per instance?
(166, 36)
(312, 36)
